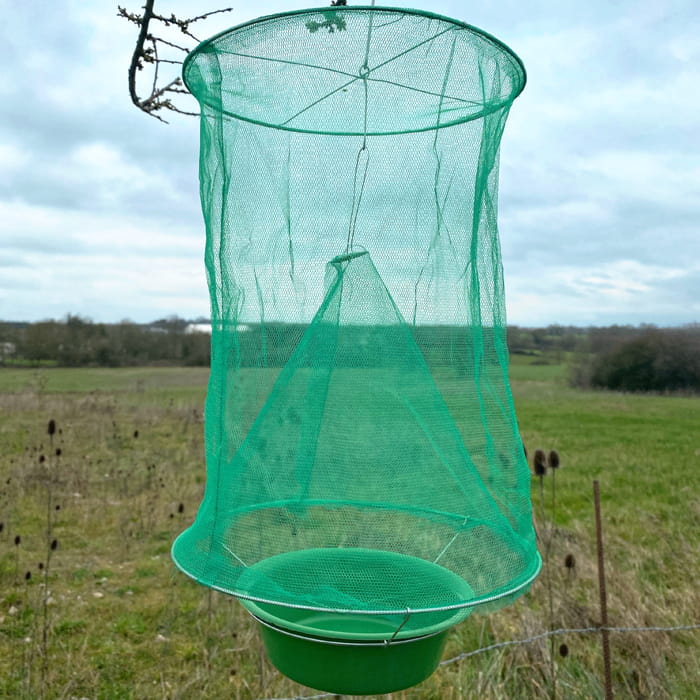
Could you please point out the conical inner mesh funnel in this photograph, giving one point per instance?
(363, 456)
(355, 456)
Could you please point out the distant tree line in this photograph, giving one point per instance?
(624, 358)
(550, 339)
(76, 341)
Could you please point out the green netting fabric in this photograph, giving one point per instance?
(362, 449)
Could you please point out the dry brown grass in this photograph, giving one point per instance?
(122, 623)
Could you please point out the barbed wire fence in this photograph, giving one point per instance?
(604, 629)
(529, 640)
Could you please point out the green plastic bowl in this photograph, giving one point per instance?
(352, 667)
(352, 652)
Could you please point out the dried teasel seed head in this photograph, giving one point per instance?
(18, 540)
(58, 507)
(181, 508)
(136, 434)
(28, 576)
(40, 565)
(54, 545)
(563, 650)
(42, 459)
(539, 462)
(570, 561)
(51, 427)
(553, 459)
(2, 526)
(59, 452)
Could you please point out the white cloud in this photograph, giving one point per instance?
(108, 179)
(667, 179)
(99, 210)
(102, 267)
(617, 292)
(559, 216)
(12, 158)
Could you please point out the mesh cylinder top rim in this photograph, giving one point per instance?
(236, 73)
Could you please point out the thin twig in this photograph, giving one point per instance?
(184, 24)
(154, 87)
(160, 40)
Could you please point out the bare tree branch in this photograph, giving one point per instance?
(136, 58)
(146, 52)
(156, 99)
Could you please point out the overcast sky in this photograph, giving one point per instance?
(600, 164)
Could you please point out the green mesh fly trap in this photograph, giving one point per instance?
(366, 482)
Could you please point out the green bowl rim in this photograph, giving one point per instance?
(438, 574)
(347, 642)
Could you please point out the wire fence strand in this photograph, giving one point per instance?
(565, 630)
(529, 640)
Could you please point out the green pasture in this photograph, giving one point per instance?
(115, 619)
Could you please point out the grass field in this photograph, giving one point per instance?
(113, 619)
